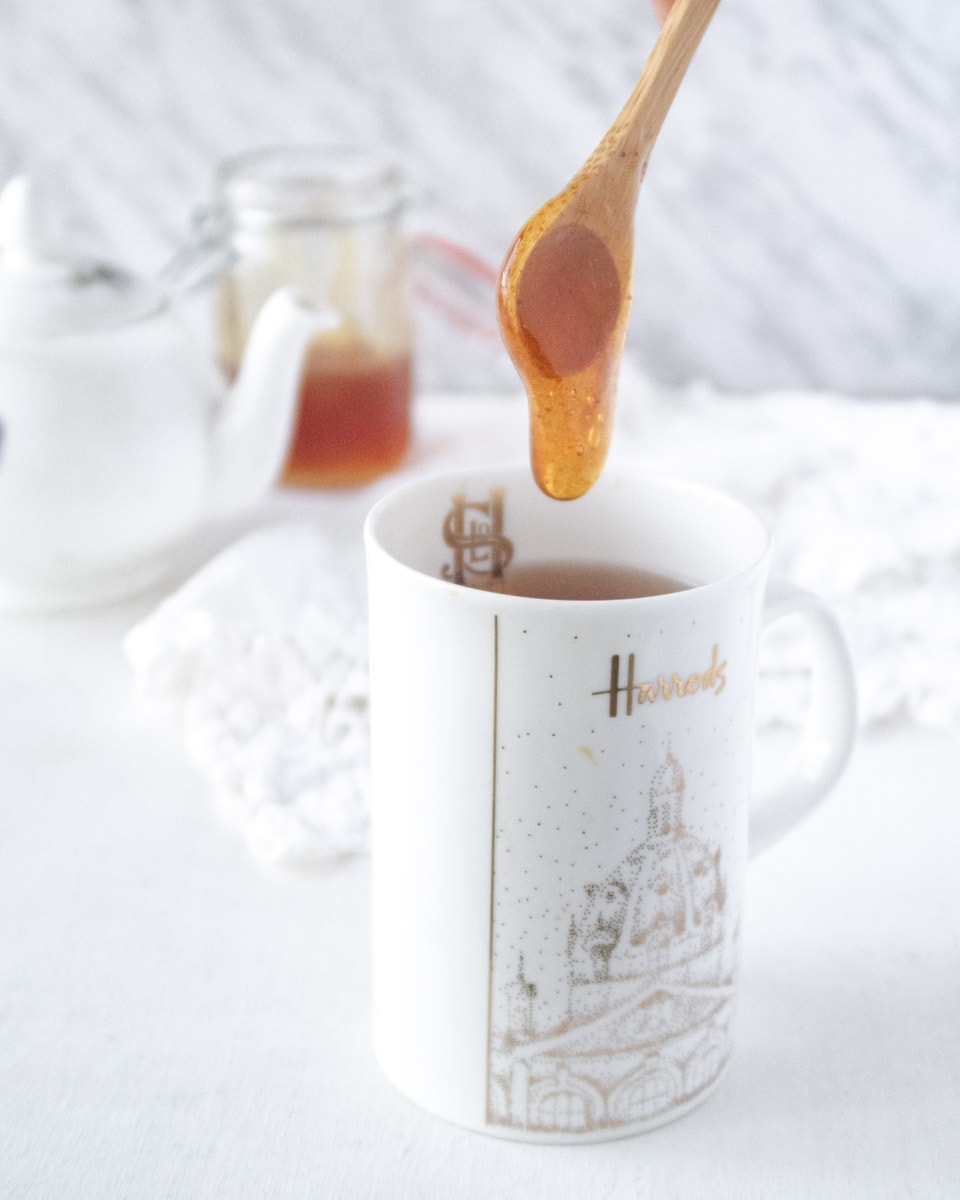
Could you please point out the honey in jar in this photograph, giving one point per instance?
(330, 222)
(354, 418)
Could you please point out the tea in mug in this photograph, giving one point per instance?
(557, 579)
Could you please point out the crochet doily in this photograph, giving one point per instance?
(863, 497)
(261, 659)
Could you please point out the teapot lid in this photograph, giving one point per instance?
(45, 293)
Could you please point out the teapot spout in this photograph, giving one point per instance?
(252, 433)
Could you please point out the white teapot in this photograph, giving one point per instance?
(118, 436)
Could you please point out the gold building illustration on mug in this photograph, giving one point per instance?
(648, 976)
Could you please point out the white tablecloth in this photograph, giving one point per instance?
(179, 1022)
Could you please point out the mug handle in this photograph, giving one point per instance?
(830, 729)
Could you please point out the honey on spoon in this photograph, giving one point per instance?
(565, 287)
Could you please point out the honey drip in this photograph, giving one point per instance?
(564, 306)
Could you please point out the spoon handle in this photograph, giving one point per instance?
(633, 133)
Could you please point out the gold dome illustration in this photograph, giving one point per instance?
(650, 960)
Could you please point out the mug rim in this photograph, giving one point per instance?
(705, 492)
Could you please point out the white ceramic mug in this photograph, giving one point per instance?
(561, 797)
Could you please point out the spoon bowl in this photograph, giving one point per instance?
(566, 284)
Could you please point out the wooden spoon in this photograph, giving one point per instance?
(565, 287)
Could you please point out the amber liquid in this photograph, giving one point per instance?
(556, 580)
(564, 304)
(354, 418)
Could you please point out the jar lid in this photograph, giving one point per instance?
(282, 185)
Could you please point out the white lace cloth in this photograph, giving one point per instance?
(261, 659)
(863, 497)
(262, 656)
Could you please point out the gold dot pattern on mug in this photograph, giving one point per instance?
(613, 974)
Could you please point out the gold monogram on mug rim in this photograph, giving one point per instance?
(474, 531)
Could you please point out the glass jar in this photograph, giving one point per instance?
(330, 221)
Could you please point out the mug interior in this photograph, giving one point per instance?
(630, 518)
